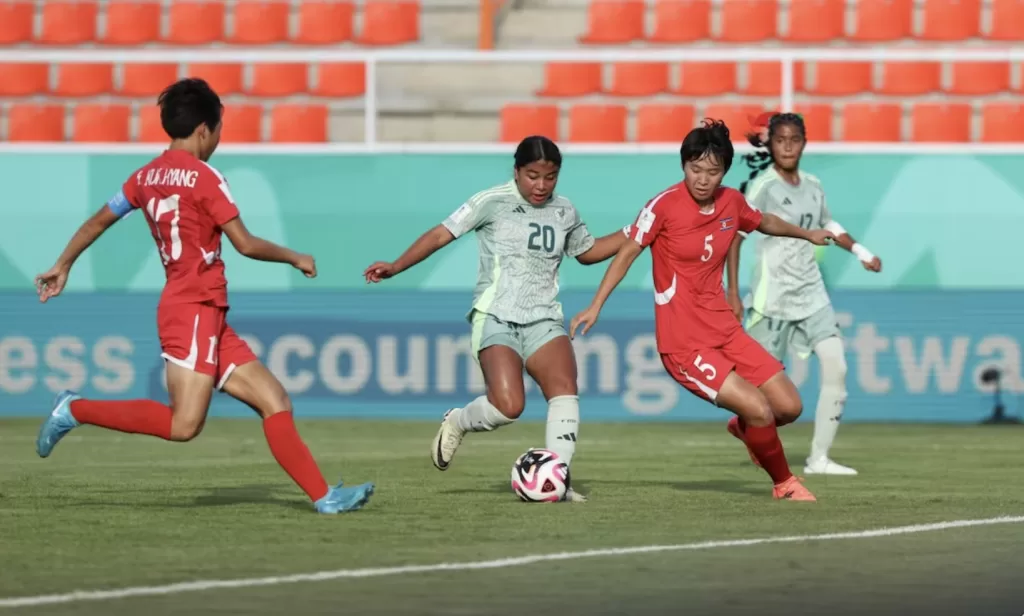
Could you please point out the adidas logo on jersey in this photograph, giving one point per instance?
(519, 210)
(786, 201)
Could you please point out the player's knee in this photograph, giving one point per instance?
(509, 403)
(758, 412)
(832, 359)
(184, 429)
(788, 410)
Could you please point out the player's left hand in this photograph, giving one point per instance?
(51, 283)
(585, 319)
(874, 265)
(381, 270)
(820, 237)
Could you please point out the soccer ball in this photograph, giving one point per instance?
(540, 476)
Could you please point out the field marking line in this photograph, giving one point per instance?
(198, 586)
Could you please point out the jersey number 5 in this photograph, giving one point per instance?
(157, 209)
(546, 235)
(708, 248)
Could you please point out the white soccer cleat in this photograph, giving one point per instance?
(572, 496)
(446, 442)
(824, 466)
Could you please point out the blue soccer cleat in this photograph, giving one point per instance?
(58, 423)
(341, 500)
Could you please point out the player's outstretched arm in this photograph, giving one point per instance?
(425, 245)
(845, 241)
(51, 283)
(732, 274)
(773, 225)
(628, 252)
(604, 248)
(248, 245)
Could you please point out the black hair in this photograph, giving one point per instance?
(710, 138)
(186, 104)
(759, 161)
(536, 148)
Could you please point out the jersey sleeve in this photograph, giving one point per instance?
(750, 217)
(578, 240)
(756, 199)
(216, 198)
(476, 212)
(126, 200)
(649, 221)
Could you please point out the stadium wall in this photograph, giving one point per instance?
(946, 306)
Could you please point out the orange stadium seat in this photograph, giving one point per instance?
(940, 122)
(664, 123)
(101, 123)
(24, 79)
(872, 122)
(16, 22)
(390, 22)
(150, 130)
(146, 79)
(195, 23)
(765, 78)
(842, 78)
(748, 20)
(738, 118)
(521, 121)
(84, 79)
(224, 78)
(298, 124)
(1002, 122)
(341, 79)
(30, 122)
(613, 22)
(242, 124)
(279, 79)
(972, 78)
(901, 78)
(571, 79)
(639, 78)
(681, 21)
(325, 22)
(132, 22)
(951, 20)
(597, 123)
(816, 21)
(882, 20)
(1007, 21)
(706, 78)
(259, 22)
(68, 23)
(817, 120)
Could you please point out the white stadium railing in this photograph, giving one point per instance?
(787, 57)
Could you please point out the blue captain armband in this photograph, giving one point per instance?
(119, 205)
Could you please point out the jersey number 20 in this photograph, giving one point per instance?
(546, 235)
(157, 209)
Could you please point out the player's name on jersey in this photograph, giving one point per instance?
(168, 176)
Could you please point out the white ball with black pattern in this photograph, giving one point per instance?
(540, 476)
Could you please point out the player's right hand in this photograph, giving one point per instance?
(584, 320)
(51, 283)
(307, 265)
(380, 270)
(820, 237)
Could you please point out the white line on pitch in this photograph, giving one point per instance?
(171, 589)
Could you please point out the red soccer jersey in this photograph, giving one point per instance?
(688, 250)
(185, 202)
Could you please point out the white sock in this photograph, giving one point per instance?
(563, 426)
(832, 398)
(481, 416)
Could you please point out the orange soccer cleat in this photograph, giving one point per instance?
(792, 489)
(734, 429)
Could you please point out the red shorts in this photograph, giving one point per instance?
(197, 337)
(703, 371)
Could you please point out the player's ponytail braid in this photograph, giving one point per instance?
(762, 159)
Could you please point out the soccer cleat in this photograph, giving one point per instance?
(58, 423)
(824, 466)
(342, 500)
(734, 429)
(572, 496)
(792, 489)
(447, 441)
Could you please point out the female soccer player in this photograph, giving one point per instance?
(789, 307)
(523, 231)
(689, 228)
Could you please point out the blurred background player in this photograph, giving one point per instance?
(788, 307)
(523, 231)
(187, 205)
(690, 227)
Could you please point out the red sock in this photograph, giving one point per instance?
(132, 416)
(293, 455)
(764, 442)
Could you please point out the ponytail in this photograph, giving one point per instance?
(762, 159)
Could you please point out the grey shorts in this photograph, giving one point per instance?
(780, 337)
(523, 338)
